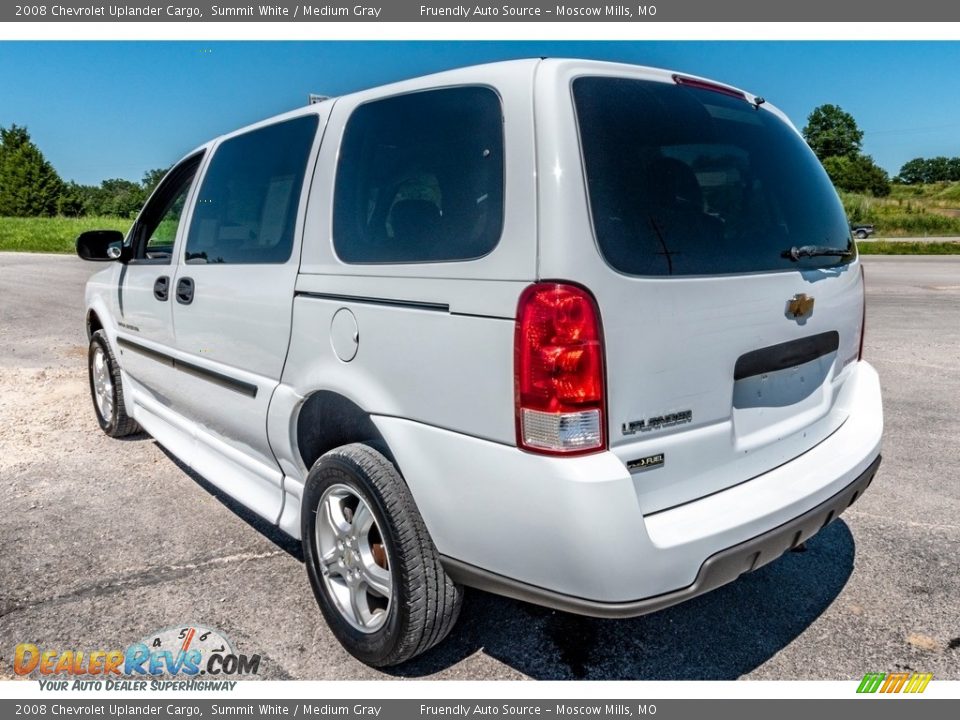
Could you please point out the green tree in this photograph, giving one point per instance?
(835, 138)
(832, 132)
(29, 186)
(119, 197)
(913, 171)
(152, 178)
(858, 174)
(72, 201)
(930, 170)
(939, 169)
(954, 169)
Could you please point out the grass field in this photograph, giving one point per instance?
(909, 211)
(55, 234)
(879, 247)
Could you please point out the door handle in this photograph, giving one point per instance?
(185, 291)
(161, 288)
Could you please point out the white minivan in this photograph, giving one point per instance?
(584, 334)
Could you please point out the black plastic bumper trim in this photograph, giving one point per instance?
(717, 570)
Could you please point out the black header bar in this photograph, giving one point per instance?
(860, 11)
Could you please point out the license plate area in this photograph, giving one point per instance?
(781, 389)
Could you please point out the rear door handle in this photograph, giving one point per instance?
(161, 288)
(185, 291)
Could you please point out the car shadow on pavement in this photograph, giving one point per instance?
(270, 531)
(718, 636)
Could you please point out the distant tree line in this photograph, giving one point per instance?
(30, 187)
(929, 170)
(836, 139)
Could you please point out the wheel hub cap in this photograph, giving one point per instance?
(354, 563)
(102, 384)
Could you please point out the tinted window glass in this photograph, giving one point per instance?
(420, 178)
(686, 181)
(160, 239)
(247, 205)
(157, 226)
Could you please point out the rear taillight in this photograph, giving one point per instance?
(863, 314)
(559, 371)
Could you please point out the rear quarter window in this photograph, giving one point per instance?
(688, 181)
(420, 178)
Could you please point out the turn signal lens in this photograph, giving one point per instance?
(559, 371)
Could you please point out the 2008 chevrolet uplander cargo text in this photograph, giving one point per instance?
(584, 334)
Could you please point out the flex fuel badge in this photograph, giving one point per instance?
(645, 463)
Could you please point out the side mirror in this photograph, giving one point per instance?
(100, 245)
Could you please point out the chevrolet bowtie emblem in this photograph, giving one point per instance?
(799, 306)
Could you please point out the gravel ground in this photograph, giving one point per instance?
(104, 541)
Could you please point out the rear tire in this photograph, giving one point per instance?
(106, 389)
(374, 570)
(861, 235)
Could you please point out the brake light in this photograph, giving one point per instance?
(863, 315)
(559, 371)
(707, 85)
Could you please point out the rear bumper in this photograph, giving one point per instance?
(717, 570)
(574, 532)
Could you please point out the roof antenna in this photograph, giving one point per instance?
(314, 98)
(757, 102)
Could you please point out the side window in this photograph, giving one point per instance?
(156, 230)
(420, 178)
(160, 241)
(247, 205)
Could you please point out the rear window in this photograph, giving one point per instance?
(687, 181)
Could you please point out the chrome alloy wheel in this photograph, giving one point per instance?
(353, 558)
(102, 384)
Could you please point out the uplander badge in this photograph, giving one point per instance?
(657, 422)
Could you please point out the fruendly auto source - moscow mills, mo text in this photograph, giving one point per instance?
(521, 11)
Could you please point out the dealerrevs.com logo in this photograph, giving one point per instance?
(184, 657)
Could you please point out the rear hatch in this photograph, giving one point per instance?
(732, 306)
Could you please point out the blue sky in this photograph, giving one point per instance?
(115, 109)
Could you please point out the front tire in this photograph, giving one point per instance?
(372, 565)
(106, 389)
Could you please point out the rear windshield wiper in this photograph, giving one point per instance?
(797, 252)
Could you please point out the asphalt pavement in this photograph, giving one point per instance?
(104, 541)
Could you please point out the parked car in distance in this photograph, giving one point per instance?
(861, 231)
(558, 329)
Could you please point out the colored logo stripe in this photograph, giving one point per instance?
(894, 682)
(918, 683)
(870, 683)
